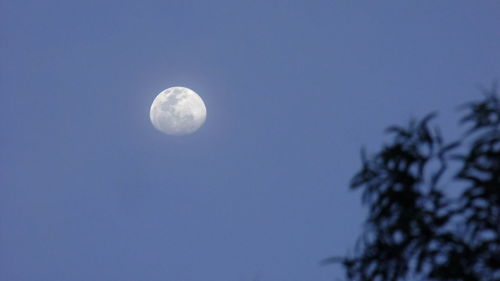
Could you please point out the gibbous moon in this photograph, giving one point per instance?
(178, 111)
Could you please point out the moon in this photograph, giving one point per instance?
(178, 111)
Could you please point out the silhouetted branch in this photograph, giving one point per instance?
(414, 230)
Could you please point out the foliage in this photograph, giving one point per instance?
(417, 231)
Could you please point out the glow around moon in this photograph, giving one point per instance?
(178, 111)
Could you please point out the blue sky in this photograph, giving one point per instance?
(89, 190)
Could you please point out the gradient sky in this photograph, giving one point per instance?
(89, 190)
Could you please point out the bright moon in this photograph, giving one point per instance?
(178, 111)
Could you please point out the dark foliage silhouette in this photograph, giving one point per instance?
(417, 231)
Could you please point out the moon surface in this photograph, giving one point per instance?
(178, 111)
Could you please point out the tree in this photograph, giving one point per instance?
(417, 231)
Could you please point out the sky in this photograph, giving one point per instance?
(89, 190)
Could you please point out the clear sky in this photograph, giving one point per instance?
(89, 190)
